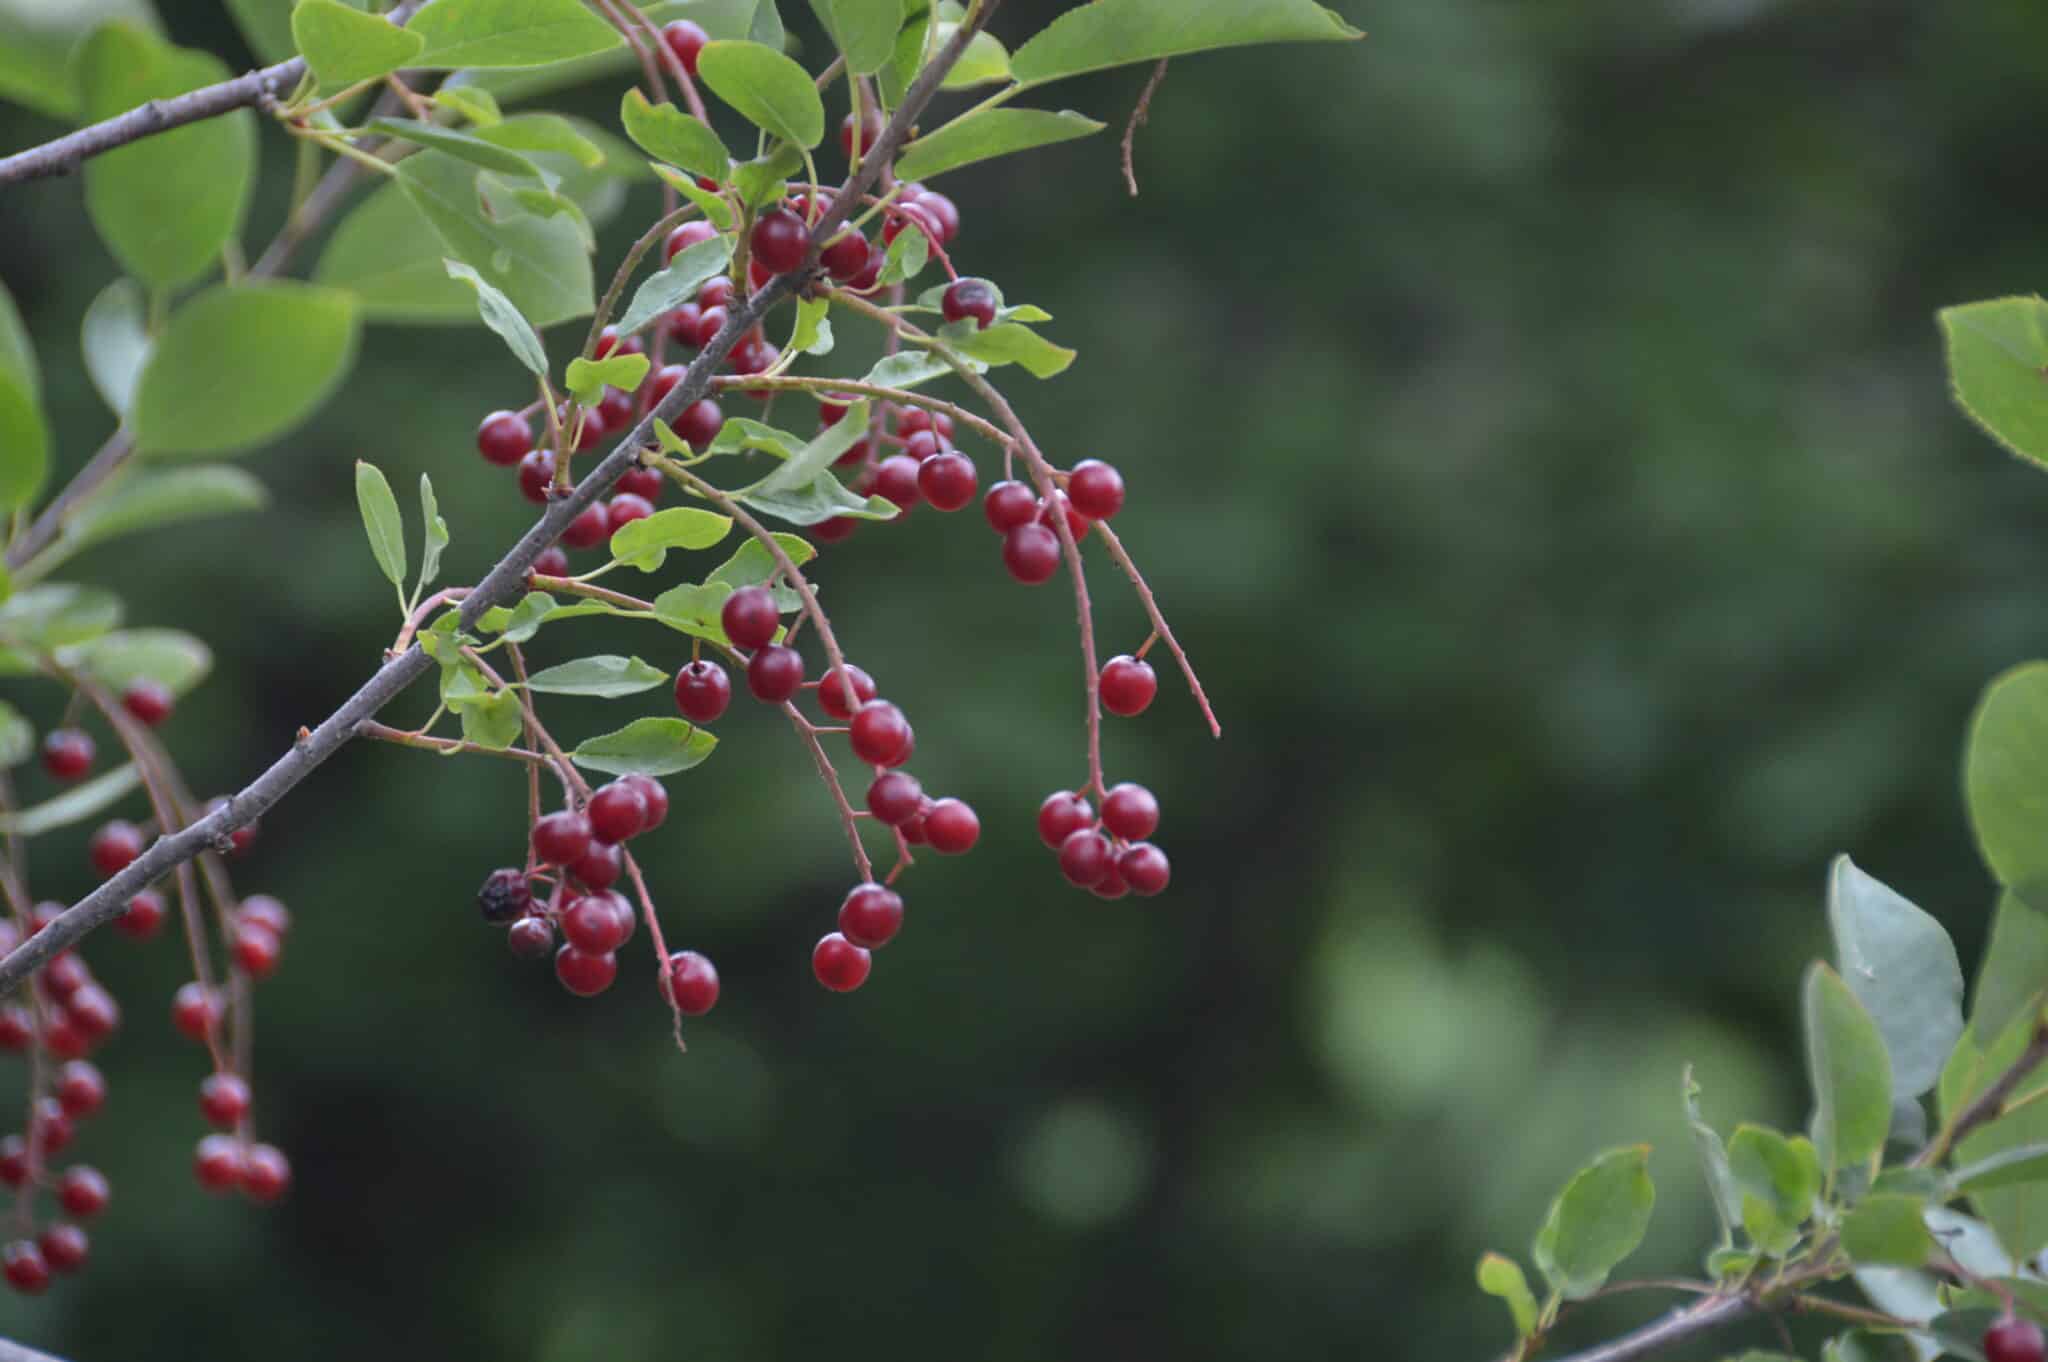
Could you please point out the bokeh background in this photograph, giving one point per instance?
(1536, 430)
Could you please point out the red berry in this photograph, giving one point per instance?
(194, 1011)
(1128, 685)
(779, 240)
(598, 923)
(25, 1268)
(592, 526)
(686, 236)
(504, 438)
(223, 1100)
(531, 937)
(941, 212)
(63, 1039)
(143, 915)
(67, 753)
(505, 897)
(846, 257)
(589, 426)
(551, 563)
(970, 298)
(265, 909)
(1130, 812)
(1008, 505)
(832, 696)
(750, 617)
(561, 837)
(654, 795)
(13, 1161)
(896, 480)
(710, 322)
(881, 735)
(583, 974)
(911, 420)
(114, 846)
(618, 410)
(1031, 553)
(624, 509)
(65, 975)
(1112, 884)
(1084, 856)
(702, 691)
(257, 949)
(699, 423)
(895, 797)
(637, 481)
(1097, 489)
(866, 280)
(65, 1247)
(871, 915)
(912, 827)
(17, 1029)
(905, 214)
(839, 964)
(924, 443)
(951, 826)
(266, 1173)
(83, 1191)
(947, 480)
(51, 1128)
(81, 1089)
(617, 811)
(599, 867)
(716, 292)
(1145, 868)
(2014, 1340)
(693, 983)
(856, 453)
(608, 344)
(149, 701)
(1077, 524)
(775, 673)
(686, 40)
(868, 128)
(837, 528)
(217, 1163)
(537, 475)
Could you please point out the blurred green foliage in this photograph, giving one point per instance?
(1536, 431)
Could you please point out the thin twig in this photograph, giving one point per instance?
(1138, 117)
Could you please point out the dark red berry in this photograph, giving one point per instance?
(970, 298)
(266, 1173)
(703, 690)
(194, 1011)
(1112, 884)
(699, 423)
(537, 475)
(617, 812)
(257, 949)
(839, 964)
(223, 1100)
(951, 826)
(1130, 812)
(217, 1163)
(618, 410)
(779, 240)
(65, 975)
(908, 215)
(654, 795)
(583, 974)
(881, 735)
(2014, 1340)
(589, 425)
(1096, 488)
(599, 867)
(871, 915)
(1128, 685)
(561, 837)
(1008, 505)
(504, 438)
(710, 322)
(686, 40)
(598, 923)
(1031, 553)
(67, 753)
(717, 292)
(638, 481)
(114, 846)
(65, 1247)
(775, 673)
(83, 1191)
(846, 257)
(750, 617)
(81, 1089)
(624, 509)
(13, 1161)
(686, 236)
(25, 1268)
(1146, 869)
(896, 480)
(836, 529)
(147, 700)
(505, 897)
(531, 937)
(591, 527)
(921, 445)
(895, 797)
(867, 130)
(832, 696)
(942, 213)
(947, 480)
(692, 983)
(267, 910)
(143, 915)
(1077, 524)
(52, 1129)
(17, 1028)
(551, 563)
(912, 827)
(1084, 855)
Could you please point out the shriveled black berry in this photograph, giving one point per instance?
(504, 897)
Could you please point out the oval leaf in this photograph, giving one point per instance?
(508, 33)
(770, 90)
(170, 657)
(503, 318)
(2014, 973)
(1997, 359)
(1901, 965)
(542, 263)
(149, 499)
(387, 256)
(381, 521)
(24, 444)
(648, 747)
(989, 133)
(1887, 1230)
(1597, 1220)
(1117, 32)
(645, 543)
(1850, 1072)
(17, 737)
(662, 293)
(2005, 775)
(668, 134)
(115, 340)
(607, 676)
(74, 805)
(343, 45)
(864, 31)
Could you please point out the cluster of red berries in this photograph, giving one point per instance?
(68, 753)
(1109, 854)
(2015, 1340)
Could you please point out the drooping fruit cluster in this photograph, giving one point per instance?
(2015, 1340)
(1108, 853)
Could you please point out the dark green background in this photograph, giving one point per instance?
(1535, 427)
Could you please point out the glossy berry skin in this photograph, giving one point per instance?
(598, 923)
(717, 292)
(869, 129)
(970, 298)
(505, 897)
(832, 696)
(686, 236)
(699, 423)
(17, 1029)
(217, 1163)
(25, 1268)
(223, 1100)
(1077, 524)
(257, 949)
(1111, 885)
(692, 983)
(654, 795)
(266, 1174)
(871, 915)
(114, 846)
(625, 508)
(686, 40)
(951, 826)
(839, 964)
(551, 563)
(584, 974)
(537, 475)
(1129, 811)
(1031, 553)
(911, 420)
(750, 617)
(530, 938)
(895, 797)
(83, 1191)
(775, 674)
(81, 1089)
(909, 214)
(703, 690)
(1084, 856)
(617, 811)
(921, 445)
(67, 753)
(710, 321)
(503, 438)
(65, 975)
(561, 837)
(590, 528)
(618, 410)
(2015, 1340)
(143, 917)
(896, 480)
(880, 734)
(194, 1011)
(779, 240)
(845, 258)
(65, 1247)
(1128, 685)
(1008, 505)
(641, 482)
(150, 702)
(267, 910)
(836, 529)
(13, 1161)
(1145, 868)
(599, 867)
(1096, 489)
(947, 480)
(942, 213)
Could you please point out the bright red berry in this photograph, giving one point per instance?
(970, 298)
(951, 826)
(81, 1089)
(906, 214)
(703, 690)
(871, 915)
(750, 617)
(194, 1011)
(1112, 884)
(143, 915)
(1077, 524)
(637, 481)
(839, 964)
(895, 797)
(686, 40)
(25, 1268)
(832, 696)
(686, 236)
(947, 480)
(881, 735)
(1084, 856)
(896, 480)
(591, 527)
(551, 563)
(624, 509)
(1008, 505)
(114, 846)
(1145, 868)
(257, 949)
(223, 1100)
(912, 827)
(911, 420)
(266, 1173)
(1097, 489)
(1031, 553)
(67, 753)
(147, 700)
(693, 983)
(2014, 1340)
(617, 811)
(867, 130)
(537, 475)
(654, 795)
(699, 423)
(504, 438)
(846, 256)
(584, 974)
(598, 923)
(267, 910)
(1128, 685)
(599, 867)
(1129, 811)
(922, 444)
(779, 240)
(530, 937)
(561, 837)
(775, 673)
(217, 1163)
(83, 1191)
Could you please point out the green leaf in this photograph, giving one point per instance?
(2014, 1167)
(241, 365)
(717, 211)
(17, 351)
(494, 720)
(57, 614)
(343, 45)
(804, 465)
(523, 620)
(695, 610)
(668, 134)
(24, 444)
(17, 737)
(821, 499)
(1713, 1161)
(2016, 1210)
(984, 62)
(381, 521)
(1998, 369)
(436, 532)
(36, 40)
(267, 25)
(1849, 1069)
(170, 657)
(1901, 965)
(2005, 775)
(770, 90)
(75, 805)
(864, 31)
(608, 677)
(648, 747)
(1502, 1277)
(387, 256)
(904, 61)
(478, 106)
(463, 146)
(764, 180)
(645, 543)
(662, 293)
(1887, 1229)
(740, 432)
(1777, 1179)
(1961, 1332)
(1597, 1220)
(149, 499)
(165, 205)
(813, 332)
(2014, 973)
(540, 263)
(988, 133)
(1009, 343)
(906, 257)
(115, 340)
(508, 33)
(502, 317)
(670, 442)
(587, 379)
(753, 564)
(549, 136)
(1118, 32)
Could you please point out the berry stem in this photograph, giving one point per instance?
(1160, 628)
(413, 621)
(830, 776)
(653, 921)
(617, 288)
(370, 728)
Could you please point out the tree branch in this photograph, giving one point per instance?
(1711, 1313)
(10, 1351)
